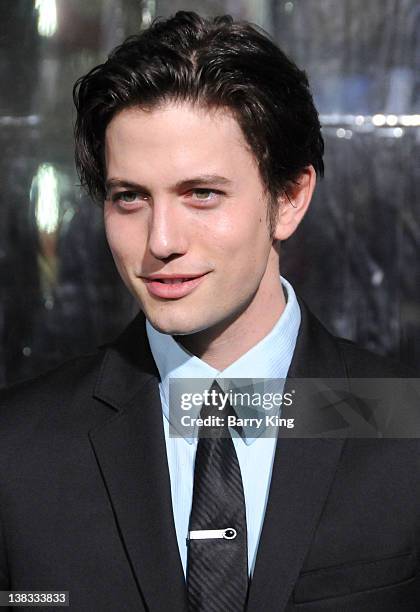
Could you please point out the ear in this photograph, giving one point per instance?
(293, 203)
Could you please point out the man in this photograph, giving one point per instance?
(201, 140)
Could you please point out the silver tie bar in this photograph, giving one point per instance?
(204, 534)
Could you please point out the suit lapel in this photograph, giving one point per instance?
(303, 471)
(131, 454)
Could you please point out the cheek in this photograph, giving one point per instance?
(243, 236)
(124, 238)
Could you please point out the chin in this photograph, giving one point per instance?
(174, 326)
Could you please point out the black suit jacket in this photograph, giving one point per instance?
(85, 501)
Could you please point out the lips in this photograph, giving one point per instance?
(171, 281)
(172, 286)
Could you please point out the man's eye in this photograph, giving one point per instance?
(203, 195)
(126, 196)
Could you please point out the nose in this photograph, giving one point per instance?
(167, 231)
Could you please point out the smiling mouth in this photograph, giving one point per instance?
(172, 281)
(173, 287)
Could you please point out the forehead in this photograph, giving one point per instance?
(177, 136)
(174, 117)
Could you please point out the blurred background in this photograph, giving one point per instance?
(355, 259)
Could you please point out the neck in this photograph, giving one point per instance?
(225, 343)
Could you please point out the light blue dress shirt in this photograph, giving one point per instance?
(270, 358)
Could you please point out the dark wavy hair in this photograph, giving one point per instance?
(212, 62)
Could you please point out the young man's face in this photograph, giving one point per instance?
(164, 218)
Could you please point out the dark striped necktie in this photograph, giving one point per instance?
(217, 561)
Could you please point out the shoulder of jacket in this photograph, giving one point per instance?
(63, 381)
(362, 363)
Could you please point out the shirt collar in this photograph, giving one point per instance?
(269, 358)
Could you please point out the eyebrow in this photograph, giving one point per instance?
(202, 179)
